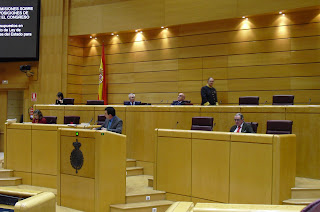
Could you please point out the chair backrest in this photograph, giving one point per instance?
(95, 102)
(202, 123)
(101, 119)
(249, 100)
(254, 126)
(72, 120)
(279, 127)
(283, 99)
(51, 119)
(312, 207)
(68, 101)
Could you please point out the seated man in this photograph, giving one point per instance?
(112, 123)
(132, 98)
(241, 126)
(180, 100)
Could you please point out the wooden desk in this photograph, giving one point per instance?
(140, 122)
(225, 167)
(31, 151)
(218, 207)
(101, 179)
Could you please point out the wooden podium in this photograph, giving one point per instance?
(91, 169)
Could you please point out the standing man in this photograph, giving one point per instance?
(209, 94)
(241, 126)
(132, 100)
(180, 100)
(112, 123)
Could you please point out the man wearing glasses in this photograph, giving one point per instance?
(241, 126)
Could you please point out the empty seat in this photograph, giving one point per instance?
(68, 101)
(249, 100)
(283, 99)
(279, 127)
(95, 102)
(202, 123)
(254, 126)
(101, 119)
(51, 119)
(71, 119)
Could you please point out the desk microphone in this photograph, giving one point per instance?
(220, 102)
(161, 101)
(264, 102)
(176, 125)
(309, 101)
(90, 121)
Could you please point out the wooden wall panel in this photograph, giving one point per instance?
(89, 17)
(264, 55)
(265, 5)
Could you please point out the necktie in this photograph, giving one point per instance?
(109, 125)
(238, 129)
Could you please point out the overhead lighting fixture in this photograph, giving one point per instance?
(283, 14)
(243, 16)
(90, 36)
(141, 32)
(112, 33)
(162, 27)
(136, 30)
(166, 28)
(118, 35)
(280, 12)
(95, 38)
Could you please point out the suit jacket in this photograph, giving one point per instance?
(134, 103)
(116, 125)
(178, 103)
(246, 128)
(208, 95)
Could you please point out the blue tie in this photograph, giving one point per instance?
(109, 124)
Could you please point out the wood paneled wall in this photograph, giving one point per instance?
(15, 105)
(101, 16)
(262, 56)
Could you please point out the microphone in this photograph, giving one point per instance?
(220, 102)
(176, 125)
(90, 121)
(309, 101)
(264, 102)
(161, 101)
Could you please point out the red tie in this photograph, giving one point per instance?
(238, 129)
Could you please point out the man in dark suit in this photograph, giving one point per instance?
(180, 100)
(132, 100)
(112, 123)
(241, 126)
